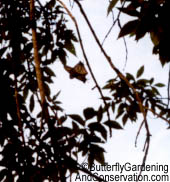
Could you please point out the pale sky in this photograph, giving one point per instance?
(121, 147)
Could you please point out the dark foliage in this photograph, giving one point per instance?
(32, 150)
(149, 17)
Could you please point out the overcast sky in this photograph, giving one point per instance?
(75, 95)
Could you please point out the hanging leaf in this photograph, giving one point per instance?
(113, 124)
(25, 92)
(113, 107)
(124, 119)
(140, 71)
(49, 71)
(111, 6)
(130, 11)
(32, 103)
(70, 47)
(128, 28)
(96, 153)
(96, 126)
(77, 118)
(100, 114)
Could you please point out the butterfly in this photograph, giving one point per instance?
(78, 71)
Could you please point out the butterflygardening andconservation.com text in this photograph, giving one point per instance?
(125, 172)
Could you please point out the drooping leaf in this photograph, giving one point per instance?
(129, 11)
(31, 105)
(49, 71)
(124, 119)
(70, 47)
(77, 118)
(25, 92)
(113, 107)
(113, 124)
(100, 114)
(111, 6)
(96, 126)
(97, 152)
(140, 71)
(155, 39)
(128, 28)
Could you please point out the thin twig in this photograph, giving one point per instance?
(85, 57)
(138, 133)
(113, 24)
(125, 44)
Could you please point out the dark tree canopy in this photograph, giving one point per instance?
(149, 17)
(36, 138)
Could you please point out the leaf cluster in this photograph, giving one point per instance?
(124, 99)
(148, 17)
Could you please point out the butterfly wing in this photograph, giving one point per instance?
(68, 68)
(78, 71)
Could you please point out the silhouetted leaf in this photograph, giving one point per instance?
(89, 113)
(113, 107)
(100, 114)
(151, 81)
(160, 85)
(128, 28)
(31, 103)
(125, 118)
(3, 173)
(49, 71)
(113, 124)
(25, 92)
(111, 6)
(130, 76)
(140, 71)
(70, 47)
(97, 153)
(77, 118)
(129, 11)
(96, 126)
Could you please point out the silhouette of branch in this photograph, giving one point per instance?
(38, 62)
(158, 115)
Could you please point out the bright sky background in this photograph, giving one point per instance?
(75, 95)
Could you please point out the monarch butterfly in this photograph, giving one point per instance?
(78, 71)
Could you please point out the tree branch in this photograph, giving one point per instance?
(38, 62)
